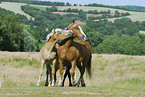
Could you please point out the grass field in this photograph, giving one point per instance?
(15, 7)
(134, 16)
(113, 75)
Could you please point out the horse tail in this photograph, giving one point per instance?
(89, 67)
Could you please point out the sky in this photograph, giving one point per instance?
(105, 2)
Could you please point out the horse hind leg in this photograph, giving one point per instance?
(82, 70)
(54, 70)
(83, 82)
(41, 72)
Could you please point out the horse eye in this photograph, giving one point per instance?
(76, 28)
(60, 32)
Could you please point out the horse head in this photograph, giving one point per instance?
(77, 30)
(59, 34)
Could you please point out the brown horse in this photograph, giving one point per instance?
(48, 53)
(71, 53)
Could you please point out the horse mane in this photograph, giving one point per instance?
(65, 40)
(52, 32)
(77, 23)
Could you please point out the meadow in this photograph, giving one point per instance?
(15, 7)
(113, 75)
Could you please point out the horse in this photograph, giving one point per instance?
(48, 54)
(74, 53)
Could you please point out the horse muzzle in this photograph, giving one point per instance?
(82, 38)
(70, 33)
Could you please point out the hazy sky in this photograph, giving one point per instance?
(105, 2)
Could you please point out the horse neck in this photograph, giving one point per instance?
(67, 42)
(51, 43)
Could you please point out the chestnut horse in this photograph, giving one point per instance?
(72, 54)
(48, 53)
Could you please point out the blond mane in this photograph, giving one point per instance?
(77, 23)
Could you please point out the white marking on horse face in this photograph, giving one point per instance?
(82, 32)
(52, 32)
(48, 36)
(68, 31)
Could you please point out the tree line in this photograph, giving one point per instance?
(82, 14)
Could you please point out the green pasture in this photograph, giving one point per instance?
(113, 75)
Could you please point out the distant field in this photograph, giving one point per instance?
(143, 32)
(15, 7)
(113, 75)
(134, 16)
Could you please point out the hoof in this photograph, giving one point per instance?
(52, 85)
(60, 85)
(74, 84)
(83, 85)
(70, 85)
(37, 85)
(46, 84)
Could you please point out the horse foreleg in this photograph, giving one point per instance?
(50, 72)
(65, 75)
(73, 71)
(61, 72)
(41, 72)
(69, 76)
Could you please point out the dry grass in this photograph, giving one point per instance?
(106, 69)
(112, 75)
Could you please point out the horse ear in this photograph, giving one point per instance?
(66, 28)
(53, 31)
(73, 20)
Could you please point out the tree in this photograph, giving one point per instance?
(80, 4)
(75, 4)
(109, 45)
(68, 4)
(117, 14)
(82, 14)
(12, 35)
(94, 38)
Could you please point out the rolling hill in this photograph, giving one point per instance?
(133, 7)
(16, 7)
